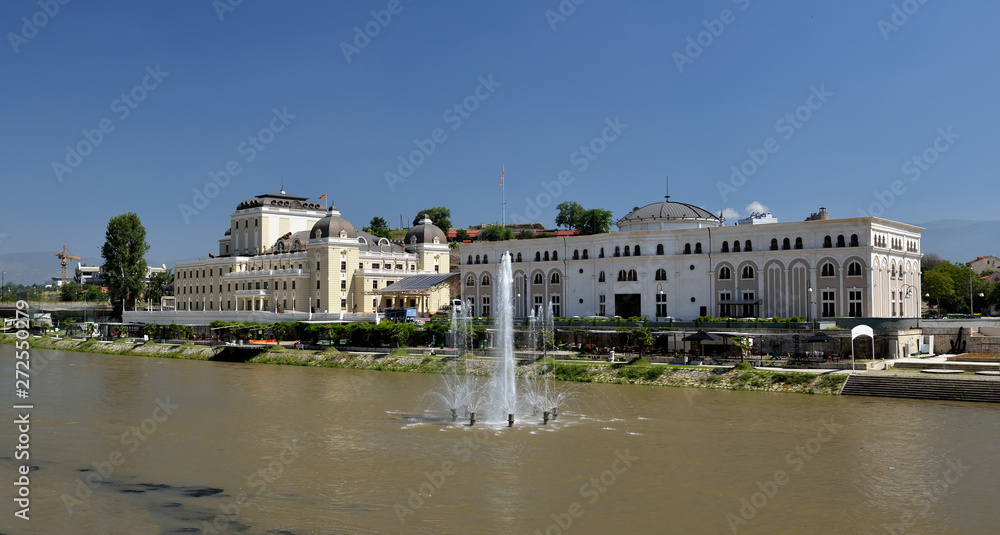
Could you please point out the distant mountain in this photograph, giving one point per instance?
(32, 268)
(959, 240)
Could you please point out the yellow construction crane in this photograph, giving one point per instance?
(64, 255)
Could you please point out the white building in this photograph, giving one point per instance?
(677, 260)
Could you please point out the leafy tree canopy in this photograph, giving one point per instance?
(569, 214)
(440, 216)
(124, 266)
(378, 227)
(496, 232)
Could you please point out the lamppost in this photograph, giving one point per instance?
(809, 305)
(659, 293)
(909, 293)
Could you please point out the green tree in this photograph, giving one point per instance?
(526, 234)
(743, 344)
(124, 266)
(69, 292)
(594, 221)
(439, 215)
(157, 283)
(462, 236)
(378, 227)
(938, 284)
(569, 214)
(496, 232)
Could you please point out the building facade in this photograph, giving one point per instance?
(671, 259)
(285, 254)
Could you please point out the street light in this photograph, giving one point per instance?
(809, 305)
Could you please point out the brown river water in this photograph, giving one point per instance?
(144, 445)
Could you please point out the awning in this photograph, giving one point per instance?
(418, 283)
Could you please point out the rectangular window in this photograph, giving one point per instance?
(486, 306)
(556, 307)
(374, 303)
(317, 284)
(602, 306)
(293, 285)
(829, 304)
(343, 285)
(343, 265)
(399, 267)
(343, 304)
(318, 306)
(854, 303)
(538, 305)
(375, 266)
(892, 299)
(361, 265)
(284, 304)
(375, 284)
(227, 306)
(317, 265)
(725, 309)
(661, 305)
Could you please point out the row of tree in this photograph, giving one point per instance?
(949, 286)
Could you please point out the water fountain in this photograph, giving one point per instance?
(498, 399)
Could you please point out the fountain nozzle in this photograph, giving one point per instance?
(545, 417)
(472, 418)
(454, 414)
(555, 412)
(510, 420)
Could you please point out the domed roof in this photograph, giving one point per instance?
(668, 210)
(425, 232)
(332, 225)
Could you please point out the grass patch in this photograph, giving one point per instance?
(573, 372)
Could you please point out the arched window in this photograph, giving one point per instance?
(539, 279)
(854, 240)
(747, 246)
(628, 251)
(827, 242)
(786, 244)
(736, 246)
(854, 269)
(841, 242)
(725, 273)
(470, 280)
(554, 279)
(659, 249)
(774, 244)
(618, 251)
(725, 247)
(828, 270)
(470, 260)
(798, 242)
(600, 277)
(576, 254)
(601, 254)
(486, 280)
(687, 248)
(637, 251)
(538, 256)
(486, 259)
(518, 257)
(622, 276)
(546, 256)
(748, 272)
(555, 255)
(632, 275)
(585, 255)
(697, 248)
(477, 259)
(661, 274)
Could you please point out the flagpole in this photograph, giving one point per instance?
(503, 200)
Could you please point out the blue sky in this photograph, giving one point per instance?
(556, 82)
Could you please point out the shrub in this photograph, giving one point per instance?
(573, 372)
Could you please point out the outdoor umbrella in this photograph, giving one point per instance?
(699, 337)
(820, 338)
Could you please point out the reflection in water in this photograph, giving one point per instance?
(364, 442)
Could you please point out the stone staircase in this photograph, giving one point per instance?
(923, 388)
